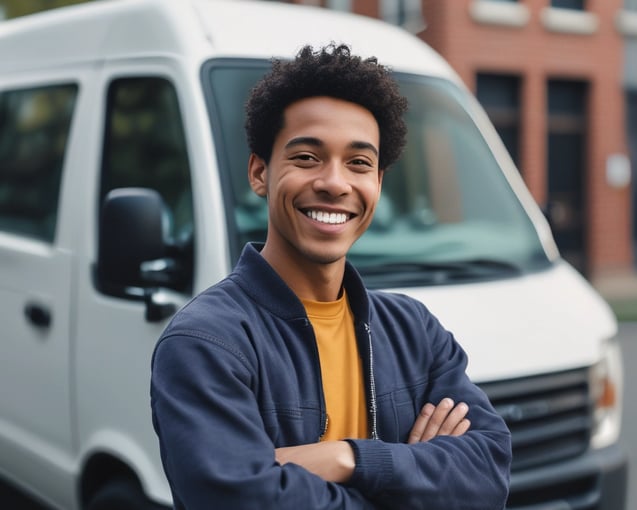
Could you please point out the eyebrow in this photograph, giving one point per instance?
(316, 142)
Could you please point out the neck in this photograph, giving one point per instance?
(309, 280)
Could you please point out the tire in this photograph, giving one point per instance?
(122, 494)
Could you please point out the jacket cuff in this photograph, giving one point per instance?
(374, 465)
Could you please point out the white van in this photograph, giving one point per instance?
(123, 192)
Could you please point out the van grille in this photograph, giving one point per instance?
(549, 416)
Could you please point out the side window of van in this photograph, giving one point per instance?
(145, 146)
(34, 129)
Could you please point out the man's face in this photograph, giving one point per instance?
(322, 182)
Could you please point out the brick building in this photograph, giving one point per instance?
(550, 75)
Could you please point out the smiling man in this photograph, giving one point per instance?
(290, 385)
(322, 181)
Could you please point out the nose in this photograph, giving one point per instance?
(333, 179)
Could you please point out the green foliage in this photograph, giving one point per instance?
(625, 309)
(15, 8)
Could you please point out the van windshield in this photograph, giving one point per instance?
(446, 215)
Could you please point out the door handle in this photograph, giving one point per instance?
(38, 315)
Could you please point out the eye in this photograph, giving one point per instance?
(362, 164)
(304, 159)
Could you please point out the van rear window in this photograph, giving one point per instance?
(34, 130)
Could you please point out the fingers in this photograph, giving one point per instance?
(461, 428)
(445, 419)
(453, 421)
(421, 423)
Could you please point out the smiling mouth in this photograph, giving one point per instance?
(329, 218)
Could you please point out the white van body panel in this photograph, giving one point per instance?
(261, 37)
(119, 364)
(203, 29)
(558, 321)
(42, 430)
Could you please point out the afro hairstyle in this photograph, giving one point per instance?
(333, 72)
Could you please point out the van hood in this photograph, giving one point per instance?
(536, 323)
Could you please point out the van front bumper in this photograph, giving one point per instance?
(596, 480)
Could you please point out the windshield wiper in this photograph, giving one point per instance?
(436, 273)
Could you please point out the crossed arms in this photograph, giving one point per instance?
(334, 461)
(218, 442)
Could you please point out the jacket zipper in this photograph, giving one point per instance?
(372, 387)
(372, 384)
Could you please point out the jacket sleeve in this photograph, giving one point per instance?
(469, 472)
(214, 448)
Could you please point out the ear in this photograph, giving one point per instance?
(381, 174)
(257, 175)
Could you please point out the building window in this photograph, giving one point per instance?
(404, 13)
(499, 94)
(567, 172)
(577, 5)
(569, 17)
(631, 108)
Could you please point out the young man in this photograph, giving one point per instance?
(288, 384)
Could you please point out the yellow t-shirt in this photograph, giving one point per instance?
(341, 368)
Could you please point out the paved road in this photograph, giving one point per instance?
(628, 338)
(11, 500)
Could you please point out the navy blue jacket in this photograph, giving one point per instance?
(236, 374)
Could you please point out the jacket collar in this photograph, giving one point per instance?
(261, 282)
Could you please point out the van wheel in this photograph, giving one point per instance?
(122, 494)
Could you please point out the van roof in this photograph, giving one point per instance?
(200, 29)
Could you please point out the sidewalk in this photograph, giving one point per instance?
(618, 286)
(620, 290)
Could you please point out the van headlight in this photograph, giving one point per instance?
(606, 384)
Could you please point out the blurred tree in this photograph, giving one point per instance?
(15, 8)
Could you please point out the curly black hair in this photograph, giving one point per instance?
(334, 72)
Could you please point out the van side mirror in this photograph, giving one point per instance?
(131, 236)
(131, 232)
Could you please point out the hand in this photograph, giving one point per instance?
(333, 461)
(441, 420)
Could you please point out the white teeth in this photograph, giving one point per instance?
(326, 217)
